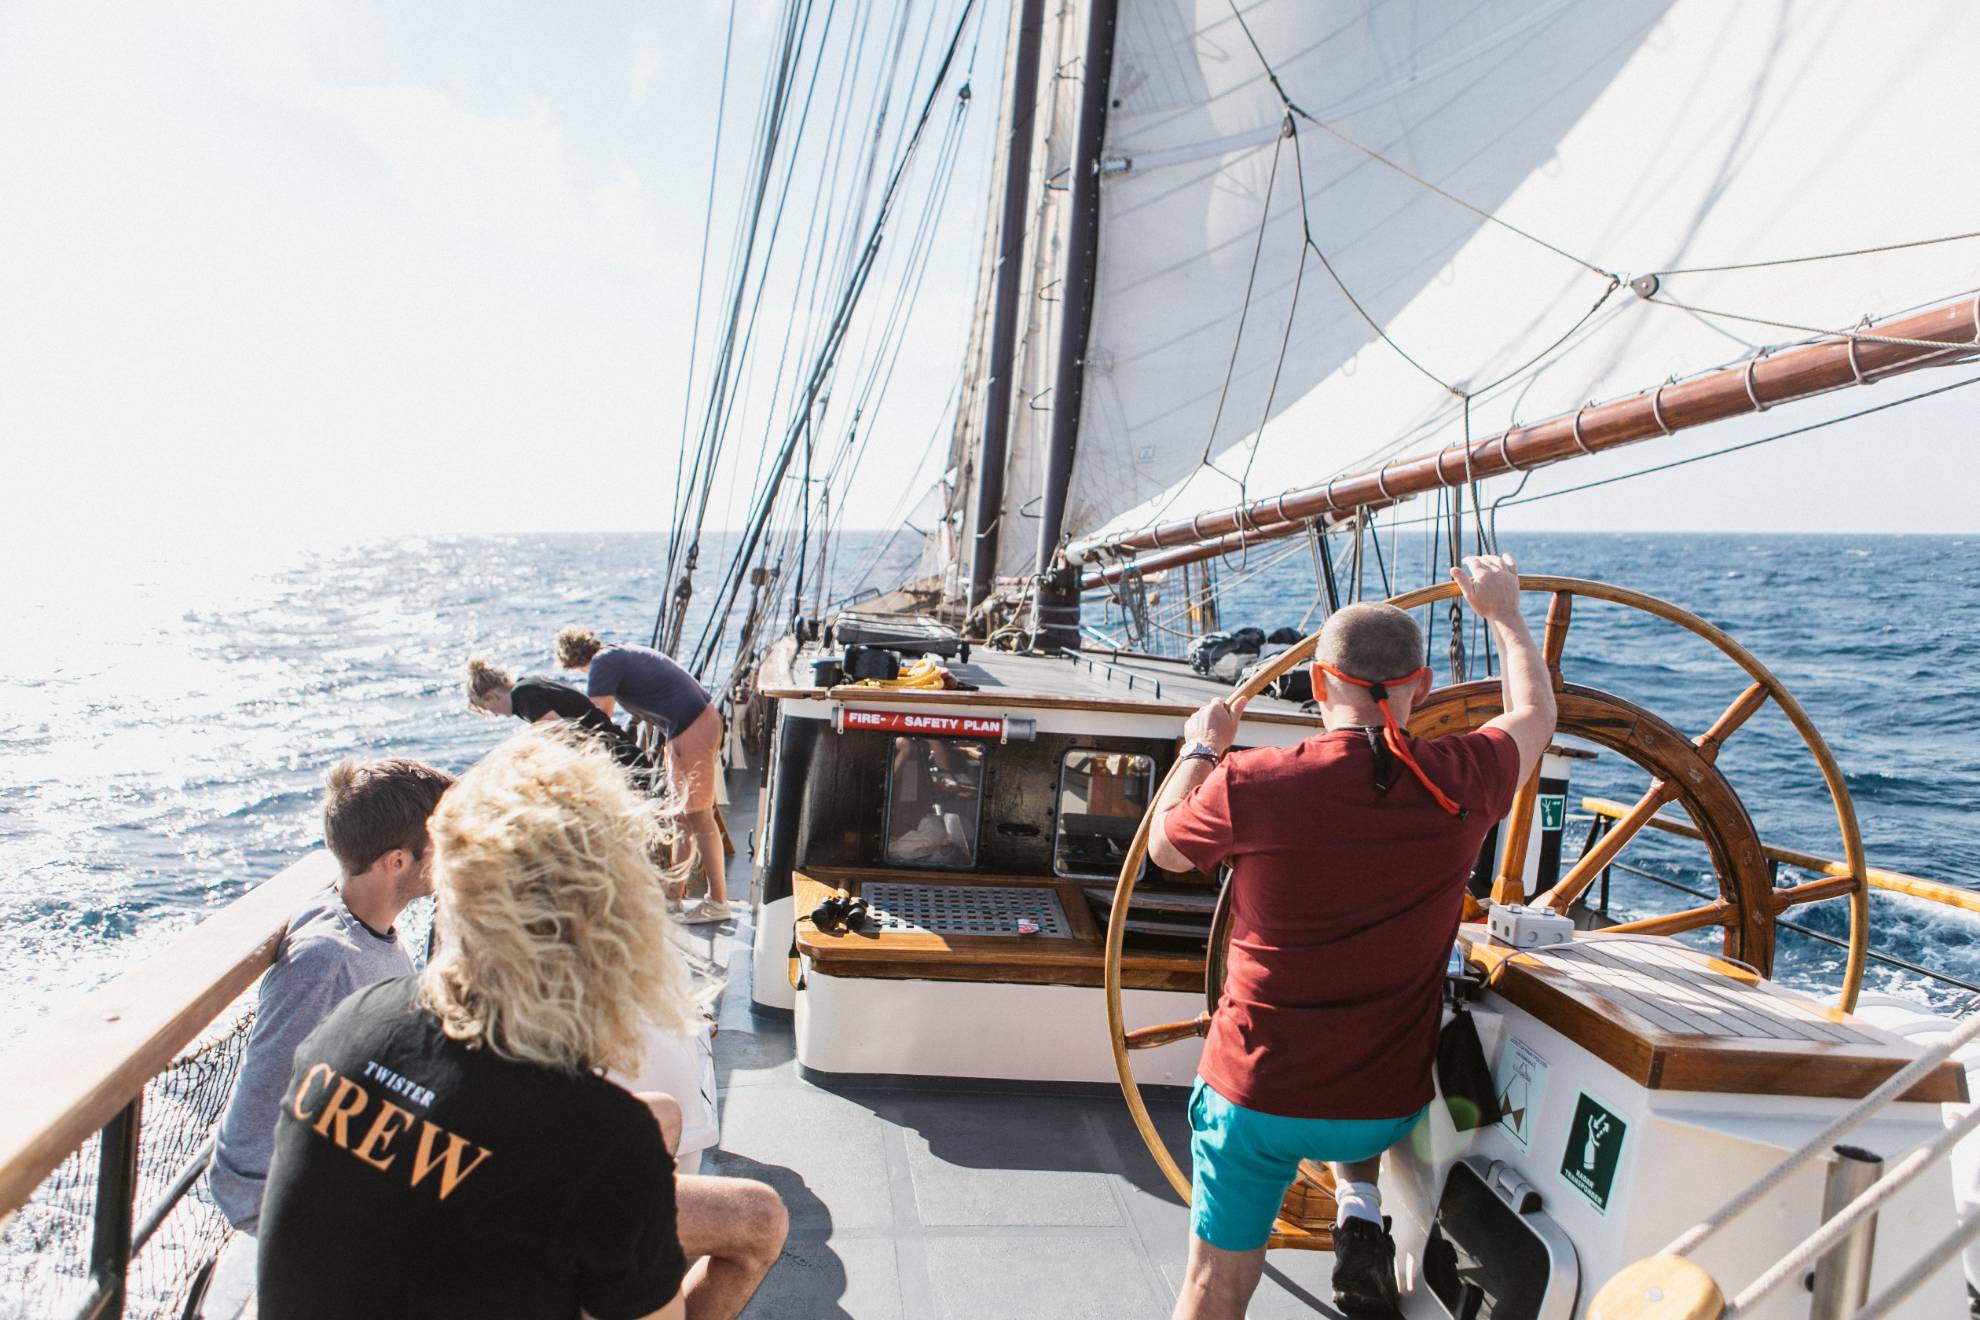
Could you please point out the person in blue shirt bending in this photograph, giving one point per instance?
(657, 691)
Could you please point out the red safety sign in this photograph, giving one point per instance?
(927, 726)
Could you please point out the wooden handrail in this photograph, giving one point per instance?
(1895, 882)
(78, 1071)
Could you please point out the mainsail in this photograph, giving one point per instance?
(1331, 234)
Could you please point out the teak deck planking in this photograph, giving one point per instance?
(1671, 1018)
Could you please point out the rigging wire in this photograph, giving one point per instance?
(834, 339)
(1749, 444)
(1244, 307)
(1294, 107)
(727, 409)
(1437, 517)
(1865, 336)
(1463, 396)
(1819, 256)
(701, 271)
(707, 448)
(908, 282)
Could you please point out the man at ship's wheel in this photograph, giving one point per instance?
(1349, 854)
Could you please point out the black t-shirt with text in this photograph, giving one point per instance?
(532, 698)
(414, 1176)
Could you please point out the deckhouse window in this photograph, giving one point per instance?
(934, 802)
(1102, 797)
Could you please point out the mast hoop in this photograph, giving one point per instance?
(1382, 479)
(1279, 507)
(1331, 506)
(1575, 431)
(1751, 394)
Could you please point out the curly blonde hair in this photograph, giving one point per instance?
(484, 677)
(577, 646)
(554, 943)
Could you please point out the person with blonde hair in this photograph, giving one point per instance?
(449, 1144)
(657, 691)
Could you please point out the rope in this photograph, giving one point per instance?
(1924, 1268)
(1657, 299)
(1306, 228)
(1817, 1244)
(1845, 1123)
(923, 673)
(1285, 339)
(1748, 444)
(1380, 159)
(1244, 309)
(700, 288)
(1819, 256)
(772, 484)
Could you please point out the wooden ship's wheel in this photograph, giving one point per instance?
(1682, 769)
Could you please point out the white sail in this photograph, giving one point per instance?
(1057, 96)
(1635, 135)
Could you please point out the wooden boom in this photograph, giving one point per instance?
(1755, 386)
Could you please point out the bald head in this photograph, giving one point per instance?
(1374, 642)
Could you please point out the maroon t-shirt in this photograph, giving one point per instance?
(1344, 903)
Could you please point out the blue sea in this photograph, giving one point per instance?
(165, 725)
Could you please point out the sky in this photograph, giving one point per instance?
(322, 271)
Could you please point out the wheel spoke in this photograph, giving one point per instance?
(1742, 710)
(1835, 886)
(1147, 1038)
(1593, 862)
(1509, 886)
(1712, 914)
(1560, 613)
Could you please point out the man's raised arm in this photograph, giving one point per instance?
(1490, 584)
(1207, 736)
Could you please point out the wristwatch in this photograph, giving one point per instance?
(1201, 751)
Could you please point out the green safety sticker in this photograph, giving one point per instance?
(1594, 1151)
(1553, 810)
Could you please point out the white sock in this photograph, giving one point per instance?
(1357, 1201)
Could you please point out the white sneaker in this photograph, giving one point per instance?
(707, 911)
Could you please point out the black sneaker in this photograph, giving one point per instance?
(1365, 1270)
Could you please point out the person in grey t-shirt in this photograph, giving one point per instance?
(341, 940)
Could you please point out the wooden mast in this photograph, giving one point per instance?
(1755, 386)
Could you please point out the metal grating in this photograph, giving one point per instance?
(965, 910)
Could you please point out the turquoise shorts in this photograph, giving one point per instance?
(1242, 1162)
